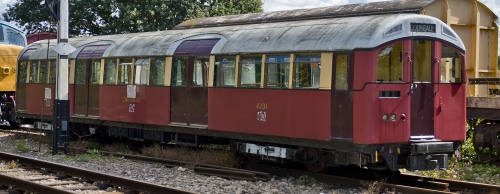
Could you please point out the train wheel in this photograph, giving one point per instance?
(486, 141)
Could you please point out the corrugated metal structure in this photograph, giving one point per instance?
(474, 22)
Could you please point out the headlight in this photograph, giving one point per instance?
(393, 117)
(385, 117)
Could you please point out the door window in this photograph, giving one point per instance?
(179, 71)
(81, 71)
(200, 71)
(422, 60)
(341, 72)
(95, 71)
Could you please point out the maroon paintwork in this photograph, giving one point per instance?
(35, 102)
(427, 104)
(21, 97)
(301, 114)
(151, 105)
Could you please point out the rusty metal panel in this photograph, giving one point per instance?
(384, 7)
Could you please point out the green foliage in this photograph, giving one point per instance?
(99, 17)
(306, 180)
(21, 146)
(90, 155)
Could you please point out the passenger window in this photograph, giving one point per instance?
(342, 72)
(307, 72)
(278, 71)
(95, 73)
(141, 71)
(125, 76)
(109, 71)
(200, 72)
(451, 65)
(52, 72)
(422, 61)
(250, 71)
(81, 71)
(33, 72)
(179, 71)
(43, 72)
(390, 63)
(157, 72)
(224, 70)
(23, 72)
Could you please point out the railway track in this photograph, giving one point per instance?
(352, 178)
(36, 176)
(393, 183)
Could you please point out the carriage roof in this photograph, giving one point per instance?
(318, 35)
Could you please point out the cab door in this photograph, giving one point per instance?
(189, 87)
(422, 90)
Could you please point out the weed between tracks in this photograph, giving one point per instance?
(466, 171)
(11, 165)
(372, 187)
(220, 157)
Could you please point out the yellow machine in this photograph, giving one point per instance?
(12, 41)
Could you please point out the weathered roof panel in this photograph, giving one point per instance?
(374, 8)
(334, 34)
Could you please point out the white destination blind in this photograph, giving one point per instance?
(417, 27)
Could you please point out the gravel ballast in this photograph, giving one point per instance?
(178, 177)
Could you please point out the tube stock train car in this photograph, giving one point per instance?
(12, 41)
(379, 91)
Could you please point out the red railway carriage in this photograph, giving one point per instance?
(382, 91)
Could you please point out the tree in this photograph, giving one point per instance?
(100, 17)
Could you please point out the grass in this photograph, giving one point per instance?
(21, 146)
(465, 171)
(218, 157)
(306, 180)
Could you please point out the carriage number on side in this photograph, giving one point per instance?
(261, 106)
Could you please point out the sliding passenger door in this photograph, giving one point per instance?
(87, 78)
(342, 103)
(189, 88)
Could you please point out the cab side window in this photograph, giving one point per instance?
(390, 63)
